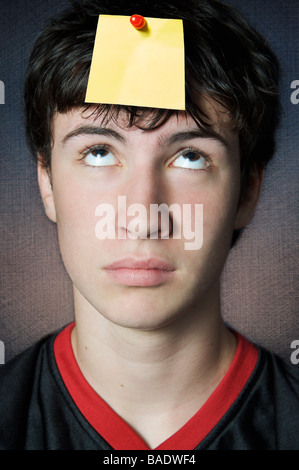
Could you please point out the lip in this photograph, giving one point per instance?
(140, 272)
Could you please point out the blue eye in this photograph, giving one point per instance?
(191, 159)
(100, 156)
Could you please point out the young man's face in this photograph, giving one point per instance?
(148, 281)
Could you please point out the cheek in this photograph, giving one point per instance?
(75, 210)
(73, 207)
(219, 218)
(219, 198)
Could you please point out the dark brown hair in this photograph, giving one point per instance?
(225, 59)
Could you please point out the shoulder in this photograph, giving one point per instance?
(283, 376)
(17, 380)
(20, 370)
(278, 387)
(265, 414)
(270, 372)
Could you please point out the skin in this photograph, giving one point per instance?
(133, 342)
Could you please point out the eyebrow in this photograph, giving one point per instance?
(199, 133)
(93, 130)
(181, 136)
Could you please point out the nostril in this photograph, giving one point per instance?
(138, 221)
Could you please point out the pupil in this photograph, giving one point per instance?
(99, 152)
(191, 156)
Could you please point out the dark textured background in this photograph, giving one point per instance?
(260, 282)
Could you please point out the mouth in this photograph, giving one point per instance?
(139, 272)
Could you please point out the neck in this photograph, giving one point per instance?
(164, 375)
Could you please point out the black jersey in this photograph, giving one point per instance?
(46, 404)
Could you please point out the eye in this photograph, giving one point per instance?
(99, 156)
(191, 159)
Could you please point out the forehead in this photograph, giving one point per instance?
(216, 116)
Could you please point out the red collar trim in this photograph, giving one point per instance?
(118, 433)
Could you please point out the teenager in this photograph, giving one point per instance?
(148, 362)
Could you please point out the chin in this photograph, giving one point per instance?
(144, 313)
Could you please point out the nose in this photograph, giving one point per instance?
(143, 213)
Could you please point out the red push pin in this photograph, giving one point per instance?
(138, 21)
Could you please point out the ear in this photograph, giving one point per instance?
(46, 191)
(249, 202)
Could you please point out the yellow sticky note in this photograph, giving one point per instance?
(138, 67)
